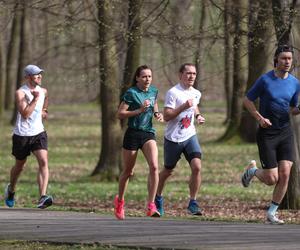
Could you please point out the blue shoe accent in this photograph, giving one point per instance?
(159, 202)
(194, 208)
(9, 196)
(45, 201)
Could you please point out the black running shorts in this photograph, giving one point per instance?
(135, 139)
(274, 145)
(24, 145)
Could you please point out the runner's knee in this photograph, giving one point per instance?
(153, 169)
(271, 180)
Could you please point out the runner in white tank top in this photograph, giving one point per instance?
(29, 135)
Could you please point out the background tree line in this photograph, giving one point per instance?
(89, 50)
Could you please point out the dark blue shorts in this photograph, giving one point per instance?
(135, 139)
(24, 145)
(173, 150)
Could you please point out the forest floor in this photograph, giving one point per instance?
(213, 210)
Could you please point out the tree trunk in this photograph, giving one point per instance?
(283, 15)
(84, 51)
(13, 57)
(134, 34)
(258, 42)
(239, 70)
(292, 198)
(228, 57)
(178, 8)
(22, 54)
(200, 43)
(108, 164)
(3, 75)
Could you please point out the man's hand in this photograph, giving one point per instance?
(35, 94)
(200, 119)
(188, 103)
(45, 114)
(264, 122)
(159, 116)
(145, 106)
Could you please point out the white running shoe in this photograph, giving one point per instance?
(273, 219)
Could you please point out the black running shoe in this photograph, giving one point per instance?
(45, 201)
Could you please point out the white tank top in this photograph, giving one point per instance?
(33, 125)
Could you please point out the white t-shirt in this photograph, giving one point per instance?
(33, 125)
(182, 126)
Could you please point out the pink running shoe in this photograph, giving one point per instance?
(119, 208)
(152, 210)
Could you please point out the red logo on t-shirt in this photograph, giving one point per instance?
(185, 122)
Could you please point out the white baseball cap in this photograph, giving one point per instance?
(30, 70)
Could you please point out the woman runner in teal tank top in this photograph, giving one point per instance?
(139, 105)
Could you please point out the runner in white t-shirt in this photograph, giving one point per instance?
(180, 112)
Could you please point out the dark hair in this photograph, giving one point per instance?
(282, 48)
(182, 67)
(138, 72)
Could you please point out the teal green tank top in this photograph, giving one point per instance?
(135, 97)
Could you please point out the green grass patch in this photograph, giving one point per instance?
(24, 245)
(74, 148)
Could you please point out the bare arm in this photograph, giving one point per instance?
(199, 118)
(170, 114)
(158, 115)
(124, 113)
(263, 122)
(24, 107)
(249, 105)
(45, 106)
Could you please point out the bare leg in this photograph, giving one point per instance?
(195, 180)
(151, 154)
(280, 177)
(43, 172)
(283, 180)
(163, 176)
(129, 158)
(267, 176)
(15, 173)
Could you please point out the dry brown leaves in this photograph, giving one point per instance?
(221, 210)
